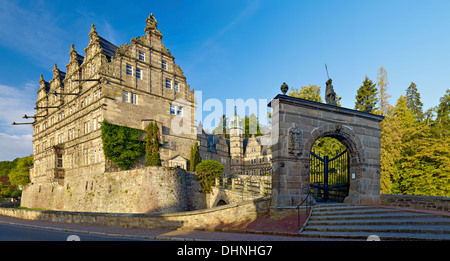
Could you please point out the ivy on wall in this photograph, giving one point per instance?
(122, 144)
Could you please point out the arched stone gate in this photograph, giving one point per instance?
(298, 123)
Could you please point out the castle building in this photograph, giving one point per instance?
(130, 85)
(127, 85)
(240, 155)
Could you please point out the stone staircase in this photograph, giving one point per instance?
(359, 222)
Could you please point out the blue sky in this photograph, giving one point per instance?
(232, 49)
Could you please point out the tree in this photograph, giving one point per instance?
(389, 152)
(195, 156)
(152, 145)
(7, 166)
(443, 109)
(252, 126)
(19, 176)
(5, 191)
(207, 171)
(366, 96)
(383, 82)
(310, 92)
(413, 100)
(222, 128)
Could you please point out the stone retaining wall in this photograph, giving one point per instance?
(416, 202)
(199, 219)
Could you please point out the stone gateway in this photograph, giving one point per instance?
(297, 124)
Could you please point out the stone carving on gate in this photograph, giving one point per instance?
(295, 147)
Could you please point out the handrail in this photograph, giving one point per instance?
(306, 208)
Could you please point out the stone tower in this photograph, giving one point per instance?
(236, 144)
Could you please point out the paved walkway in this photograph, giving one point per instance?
(176, 235)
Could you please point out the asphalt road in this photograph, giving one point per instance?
(19, 233)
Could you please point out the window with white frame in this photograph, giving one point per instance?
(168, 83)
(141, 56)
(164, 65)
(172, 109)
(85, 156)
(129, 97)
(176, 86)
(138, 73)
(129, 69)
(59, 160)
(134, 98)
(125, 96)
(99, 153)
(179, 111)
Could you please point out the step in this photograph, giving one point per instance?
(437, 229)
(369, 216)
(381, 235)
(354, 211)
(385, 221)
(338, 208)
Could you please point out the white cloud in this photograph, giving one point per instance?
(15, 146)
(15, 102)
(16, 141)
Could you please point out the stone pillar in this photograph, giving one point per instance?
(233, 183)
(224, 182)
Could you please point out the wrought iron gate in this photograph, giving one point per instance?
(329, 178)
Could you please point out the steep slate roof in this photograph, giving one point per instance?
(80, 59)
(109, 49)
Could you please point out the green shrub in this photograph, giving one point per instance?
(207, 171)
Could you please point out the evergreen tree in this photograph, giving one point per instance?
(152, 157)
(191, 159)
(366, 96)
(383, 82)
(414, 103)
(195, 156)
(443, 110)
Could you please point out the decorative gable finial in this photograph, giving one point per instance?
(151, 25)
(73, 53)
(93, 35)
(55, 72)
(151, 22)
(41, 80)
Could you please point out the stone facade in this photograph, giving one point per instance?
(129, 85)
(241, 156)
(416, 202)
(298, 123)
(141, 190)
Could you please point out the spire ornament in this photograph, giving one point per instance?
(152, 26)
(284, 88)
(93, 35)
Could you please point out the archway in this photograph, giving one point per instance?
(221, 203)
(297, 124)
(329, 170)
